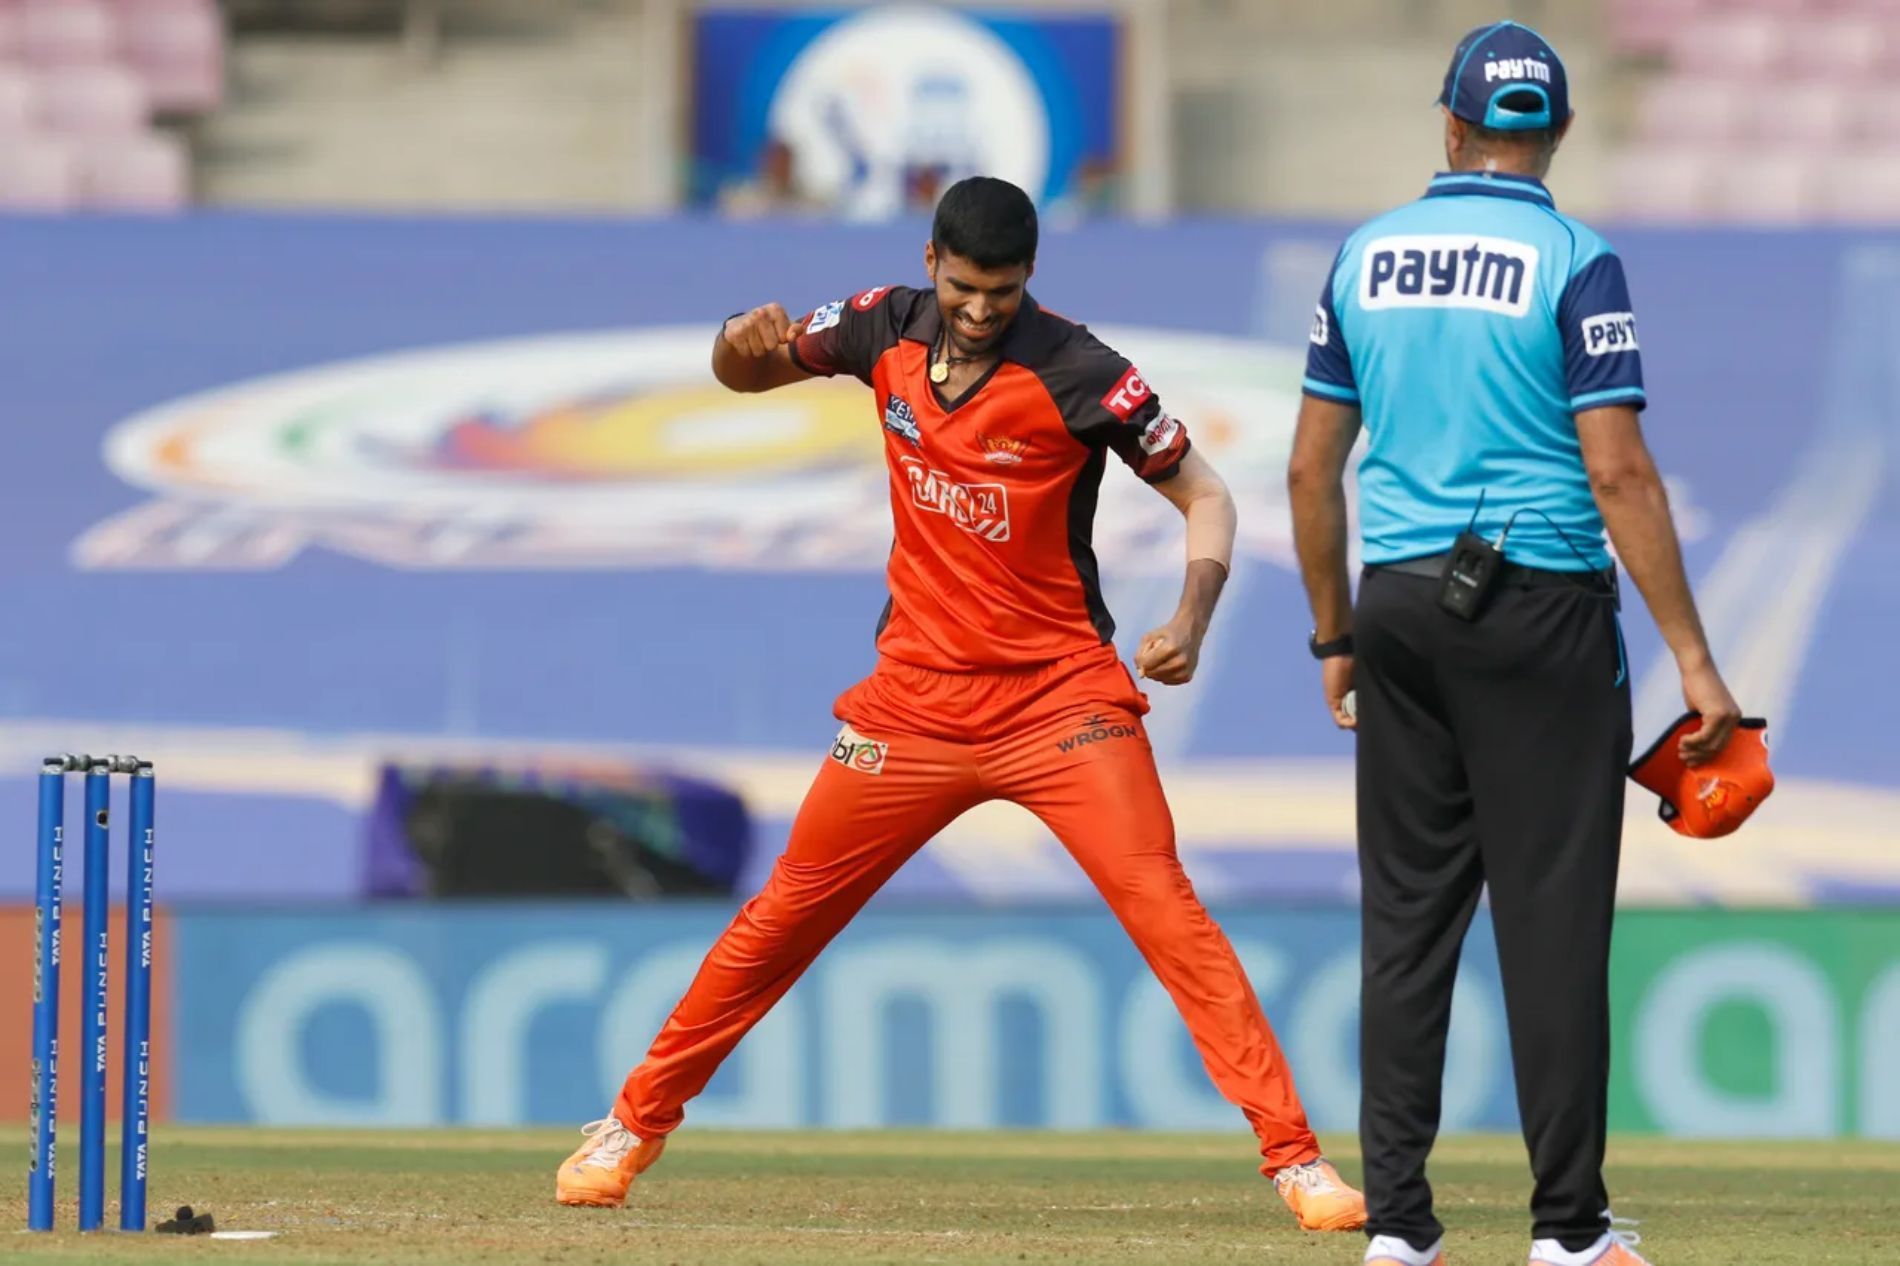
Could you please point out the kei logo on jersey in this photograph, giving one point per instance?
(900, 419)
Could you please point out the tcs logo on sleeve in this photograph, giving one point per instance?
(1127, 395)
(1443, 270)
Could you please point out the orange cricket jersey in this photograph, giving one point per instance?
(993, 494)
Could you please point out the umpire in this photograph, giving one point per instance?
(1486, 344)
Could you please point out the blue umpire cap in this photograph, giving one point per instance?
(1507, 76)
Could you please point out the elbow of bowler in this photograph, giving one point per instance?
(1214, 494)
(1217, 506)
(731, 383)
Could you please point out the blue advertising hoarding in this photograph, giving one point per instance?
(287, 496)
(1727, 1024)
(505, 1016)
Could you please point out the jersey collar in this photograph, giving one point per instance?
(1489, 184)
(926, 325)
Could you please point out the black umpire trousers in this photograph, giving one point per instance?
(1491, 753)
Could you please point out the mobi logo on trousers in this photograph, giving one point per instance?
(980, 509)
(1441, 270)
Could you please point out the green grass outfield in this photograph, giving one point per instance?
(337, 1196)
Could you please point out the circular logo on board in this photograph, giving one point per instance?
(893, 92)
(613, 449)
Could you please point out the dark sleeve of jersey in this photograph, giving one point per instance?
(1328, 364)
(1602, 365)
(1108, 404)
(847, 336)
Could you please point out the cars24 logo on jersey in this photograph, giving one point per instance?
(979, 509)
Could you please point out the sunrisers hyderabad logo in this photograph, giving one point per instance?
(1001, 450)
(617, 449)
(1715, 793)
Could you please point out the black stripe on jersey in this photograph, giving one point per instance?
(1082, 497)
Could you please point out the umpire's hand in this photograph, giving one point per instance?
(1335, 675)
(1706, 693)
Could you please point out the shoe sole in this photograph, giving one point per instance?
(589, 1201)
(1342, 1222)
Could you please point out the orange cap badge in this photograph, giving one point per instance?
(1709, 800)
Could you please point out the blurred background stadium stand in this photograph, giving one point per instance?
(97, 100)
(1747, 110)
(1773, 111)
(377, 489)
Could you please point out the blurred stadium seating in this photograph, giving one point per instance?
(1770, 111)
(84, 85)
(1762, 110)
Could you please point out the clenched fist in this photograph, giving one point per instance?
(1169, 654)
(760, 331)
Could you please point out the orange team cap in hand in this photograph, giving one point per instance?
(1709, 800)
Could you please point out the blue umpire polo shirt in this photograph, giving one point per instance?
(1470, 327)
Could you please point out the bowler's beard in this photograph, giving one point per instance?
(963, 346)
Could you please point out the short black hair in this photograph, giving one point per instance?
(987, 221)
(1541, 141)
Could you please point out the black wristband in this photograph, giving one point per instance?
(1341, 645)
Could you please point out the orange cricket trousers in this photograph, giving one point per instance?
(1065, 741)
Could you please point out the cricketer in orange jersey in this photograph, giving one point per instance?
(996, 676)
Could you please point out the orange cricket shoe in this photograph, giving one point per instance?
(602, 1168)
(1320, 1198)
(1389, 1250)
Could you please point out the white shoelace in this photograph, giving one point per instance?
(1629, 1239)
(1616, 1236)
(1311, 1176)
(615, 1142)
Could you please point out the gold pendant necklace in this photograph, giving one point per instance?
(940, 368)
